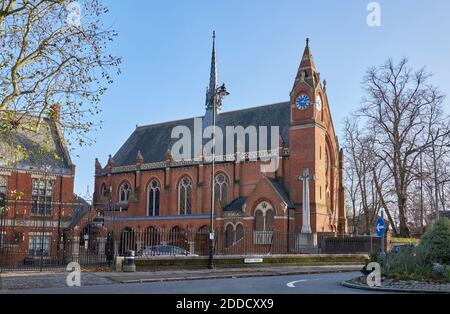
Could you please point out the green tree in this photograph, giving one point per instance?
(53, 52)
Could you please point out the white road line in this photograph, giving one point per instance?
(292, 284)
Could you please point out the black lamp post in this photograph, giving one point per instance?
(219, 94)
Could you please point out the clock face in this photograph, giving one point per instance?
(302, 102)
(319, 103)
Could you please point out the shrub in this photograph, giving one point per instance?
(405, 261)
(434, 246)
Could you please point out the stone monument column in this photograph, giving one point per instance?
(306, 209)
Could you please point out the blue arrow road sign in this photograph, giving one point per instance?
(380, 227)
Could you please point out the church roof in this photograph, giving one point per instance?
(279, 188)
(235, 205)
(46, 147)
(154, 141)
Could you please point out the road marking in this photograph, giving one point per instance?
(292, 284)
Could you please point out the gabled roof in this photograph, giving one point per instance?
(279, 188)
(236, 205)
(46, 147)
(79, 210)
(155, 140)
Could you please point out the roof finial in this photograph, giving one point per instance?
(213, 82)
(307, 42)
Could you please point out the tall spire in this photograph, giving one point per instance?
(307, 59)
(213, 81)
(307, 70)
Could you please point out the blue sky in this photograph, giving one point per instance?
(166, 47)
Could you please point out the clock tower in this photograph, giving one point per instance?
(313, 147)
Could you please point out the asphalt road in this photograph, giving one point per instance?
(319, 283)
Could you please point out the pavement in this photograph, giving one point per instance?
(319, 283)
(224, 273)
(101, 280)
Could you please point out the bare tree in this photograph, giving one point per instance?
(401, 110)
(53, 52)
(361, 170)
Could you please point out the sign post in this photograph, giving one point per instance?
(380, 230)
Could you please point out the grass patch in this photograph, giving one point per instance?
(307, 260)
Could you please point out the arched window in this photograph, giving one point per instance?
(259, 221)
(229, 236)
(239, 232)
(154, 190)
(264, 217)
(221, 189)
(264, 224)
(269, 222)
(185, 196)
(124, 192)
(103, 191)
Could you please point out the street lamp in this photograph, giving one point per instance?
(219, 94)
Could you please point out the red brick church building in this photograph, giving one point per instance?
(144, 187)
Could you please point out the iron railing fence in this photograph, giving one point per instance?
(15, 257)
(196, 243)
(162, 242)
(99, 250)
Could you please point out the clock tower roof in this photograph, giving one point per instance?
(307, 71)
